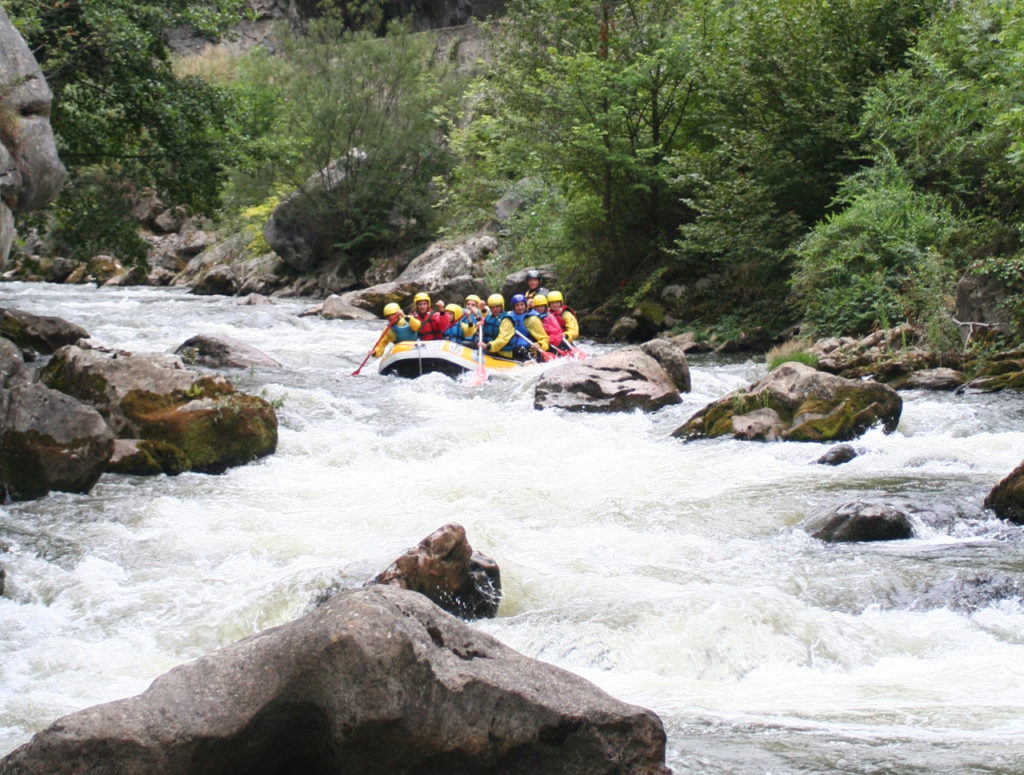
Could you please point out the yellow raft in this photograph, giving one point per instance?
(411, 359)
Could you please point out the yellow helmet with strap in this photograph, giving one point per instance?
(421, 296)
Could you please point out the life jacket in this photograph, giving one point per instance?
(432, 325)
(560, 319)
(403, 332)
(530, 294)
(520, 321)
(454, 332)
(492, 325)
(553, 325)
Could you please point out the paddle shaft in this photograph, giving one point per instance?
(360, 368)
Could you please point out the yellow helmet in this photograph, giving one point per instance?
(474, 297)
(421, 296)
(540, 300)
(455, 309)
(496, 300)
(391, 309)
(552, 296)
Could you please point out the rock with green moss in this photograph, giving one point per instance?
(145, 457)
(1007, 498)
(38, 333)
(49, 441)
(798, 403)
(156, 398)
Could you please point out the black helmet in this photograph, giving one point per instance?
(532, 274)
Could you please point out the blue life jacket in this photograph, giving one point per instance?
(492, 325)
(520, 321)
(454, 332)
(404, 333)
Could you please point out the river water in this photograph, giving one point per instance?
(672, 575)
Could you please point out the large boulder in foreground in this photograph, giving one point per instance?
(377, 680)
(1007, 498)
(154, 397)
(49, 441)
(444, 567)
(798, 403)
(619, 381)
(38, 333)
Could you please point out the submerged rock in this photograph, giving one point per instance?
(377, 680)
(842, 453)
(1007, 498)
(620, 381)
(444, 568)
(155, 397)
(859, 522)
(798, 403)
(217, 352)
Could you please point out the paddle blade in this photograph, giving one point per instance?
(481, 370)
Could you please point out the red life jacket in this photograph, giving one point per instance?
(560, 319)
(553, 326)
(433, 324)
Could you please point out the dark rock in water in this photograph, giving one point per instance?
(146, 457)
(935, 379)
(859, 522)
(3, 579)
(38, 333)
(377, 680)
(1007, 498)
(217, 352)
(842, 453)
(620, 381)
(49, 441)
(444, 568)
(12, 364)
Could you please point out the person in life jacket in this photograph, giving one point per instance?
(427, 323)
(461, 330)
(474, 309)
(570, 325)
(552, 326)
(400, 330)
(530, 334)
(499, 328)
(533, 287)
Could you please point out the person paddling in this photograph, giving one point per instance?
(499, 329)
(398, 330)
(427, 323)
(553, 328)
(565, 316)
(532, 338)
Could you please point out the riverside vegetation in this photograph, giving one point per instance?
(742, 166)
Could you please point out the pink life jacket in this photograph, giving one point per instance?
(553, 329)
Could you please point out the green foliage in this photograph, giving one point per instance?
(358, 123)
(92, 216)
(120, 113)
(878, 259)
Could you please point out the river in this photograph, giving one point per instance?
(672, 575)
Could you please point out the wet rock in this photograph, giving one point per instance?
(444, 568)
(256, 300)
(145, 457)
(941, 378)
(1001, 371)
(808, 405)
(216, 352)
(38, 333)
(3, 579)
(155, 397)
(839, 454)
(336, 308)
(1006, 499)
(859, 522)
(49, 442)
(12, 364)
(620, 381)
(890, 356)
(671, 354)
(377, 680)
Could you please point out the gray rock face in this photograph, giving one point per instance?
(671, 354)
(1007, 498)
(860, 522)
(38, 333)
(444, 568)
(217, 352)
(31, 175)
(377, 680)
(798, 403)
(619, 381)
(49, 442)
(979, 305)
(336, 308)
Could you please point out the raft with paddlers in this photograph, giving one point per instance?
(411, 359)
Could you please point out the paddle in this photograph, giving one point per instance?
(481, 370)
(574, 350)
(545, 355)
(356, 372)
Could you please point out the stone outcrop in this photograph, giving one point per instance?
(31, 175)
(336, 308)
(798, 403)
(619, 381)
(980, 307)
(1001, 371)
(154, 397)
(38, 333)
(671, 354)
(49, 442)
(444, 568)
(1007, 498)
(860, 522)
(377, 680)
(218, 352)
(446, 271)
(890, 356)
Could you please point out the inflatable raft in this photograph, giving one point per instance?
(411, 359)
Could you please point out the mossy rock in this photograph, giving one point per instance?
(147, 457)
